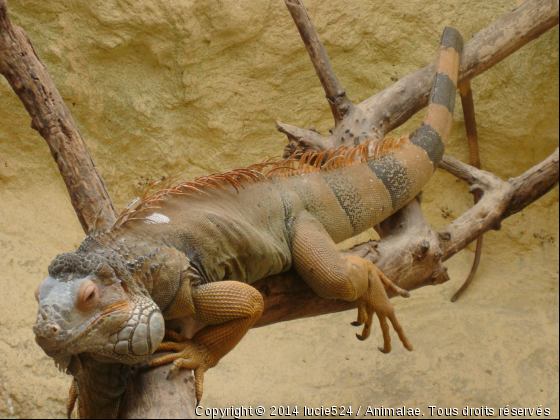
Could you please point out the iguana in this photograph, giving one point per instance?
(194, 248)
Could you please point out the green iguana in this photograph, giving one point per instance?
(194, 248)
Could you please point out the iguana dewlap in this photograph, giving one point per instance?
(193, 249)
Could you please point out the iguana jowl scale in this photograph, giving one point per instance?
(193, 249)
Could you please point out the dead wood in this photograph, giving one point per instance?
(30, 80)
(499, 201)
(338, 101)
(50, 116)
(379, 115)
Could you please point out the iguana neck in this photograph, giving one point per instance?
(146, 266)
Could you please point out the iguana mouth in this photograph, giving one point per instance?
(54, 347)
(126, 332)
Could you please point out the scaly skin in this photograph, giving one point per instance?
(193, 249)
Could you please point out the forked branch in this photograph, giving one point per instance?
(379, 115)
(499, 201)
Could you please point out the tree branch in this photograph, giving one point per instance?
(499, 201)
(30, 80)
(379, 115)
(338, 100)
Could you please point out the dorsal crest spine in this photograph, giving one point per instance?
(297, 164)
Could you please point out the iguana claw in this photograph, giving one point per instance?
(375, 300)
(190, 355)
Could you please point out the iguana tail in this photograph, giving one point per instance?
(436, 127)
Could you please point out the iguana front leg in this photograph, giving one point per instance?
(333, 276)
(229, 309)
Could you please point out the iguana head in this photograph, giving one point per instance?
(85, 308)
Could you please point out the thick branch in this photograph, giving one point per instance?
(533, 184)
(29, 79)
(377, 116)
(150, 395)
(338, 101)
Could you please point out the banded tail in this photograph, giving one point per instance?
(436, 127)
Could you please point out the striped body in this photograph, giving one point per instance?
(246, 236)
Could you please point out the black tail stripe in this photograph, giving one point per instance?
(443, 92)
(452, 38)
(394, 176)
(429, 139)
(348, 198)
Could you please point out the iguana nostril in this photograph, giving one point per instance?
(55, 330)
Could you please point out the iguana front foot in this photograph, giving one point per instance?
(375, 300)
(189, 355)
(228, 309)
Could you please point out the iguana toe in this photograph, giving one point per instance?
(376, 301)
(197, 367)
(190, 355)
(365, 315)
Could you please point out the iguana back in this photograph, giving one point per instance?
(237, 225)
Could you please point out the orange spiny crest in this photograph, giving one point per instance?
(270, 168)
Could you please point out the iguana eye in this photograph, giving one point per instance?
(87, 296)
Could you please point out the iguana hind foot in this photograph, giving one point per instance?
(334, 276)
(375, 300)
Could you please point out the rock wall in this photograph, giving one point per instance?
(184, 86)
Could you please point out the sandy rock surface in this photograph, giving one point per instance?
(159, 88)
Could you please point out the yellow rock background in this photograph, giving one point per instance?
(162, 87)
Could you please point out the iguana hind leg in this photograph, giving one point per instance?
(333, 276)
(229, 309)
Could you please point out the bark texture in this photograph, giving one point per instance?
(50, 116)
